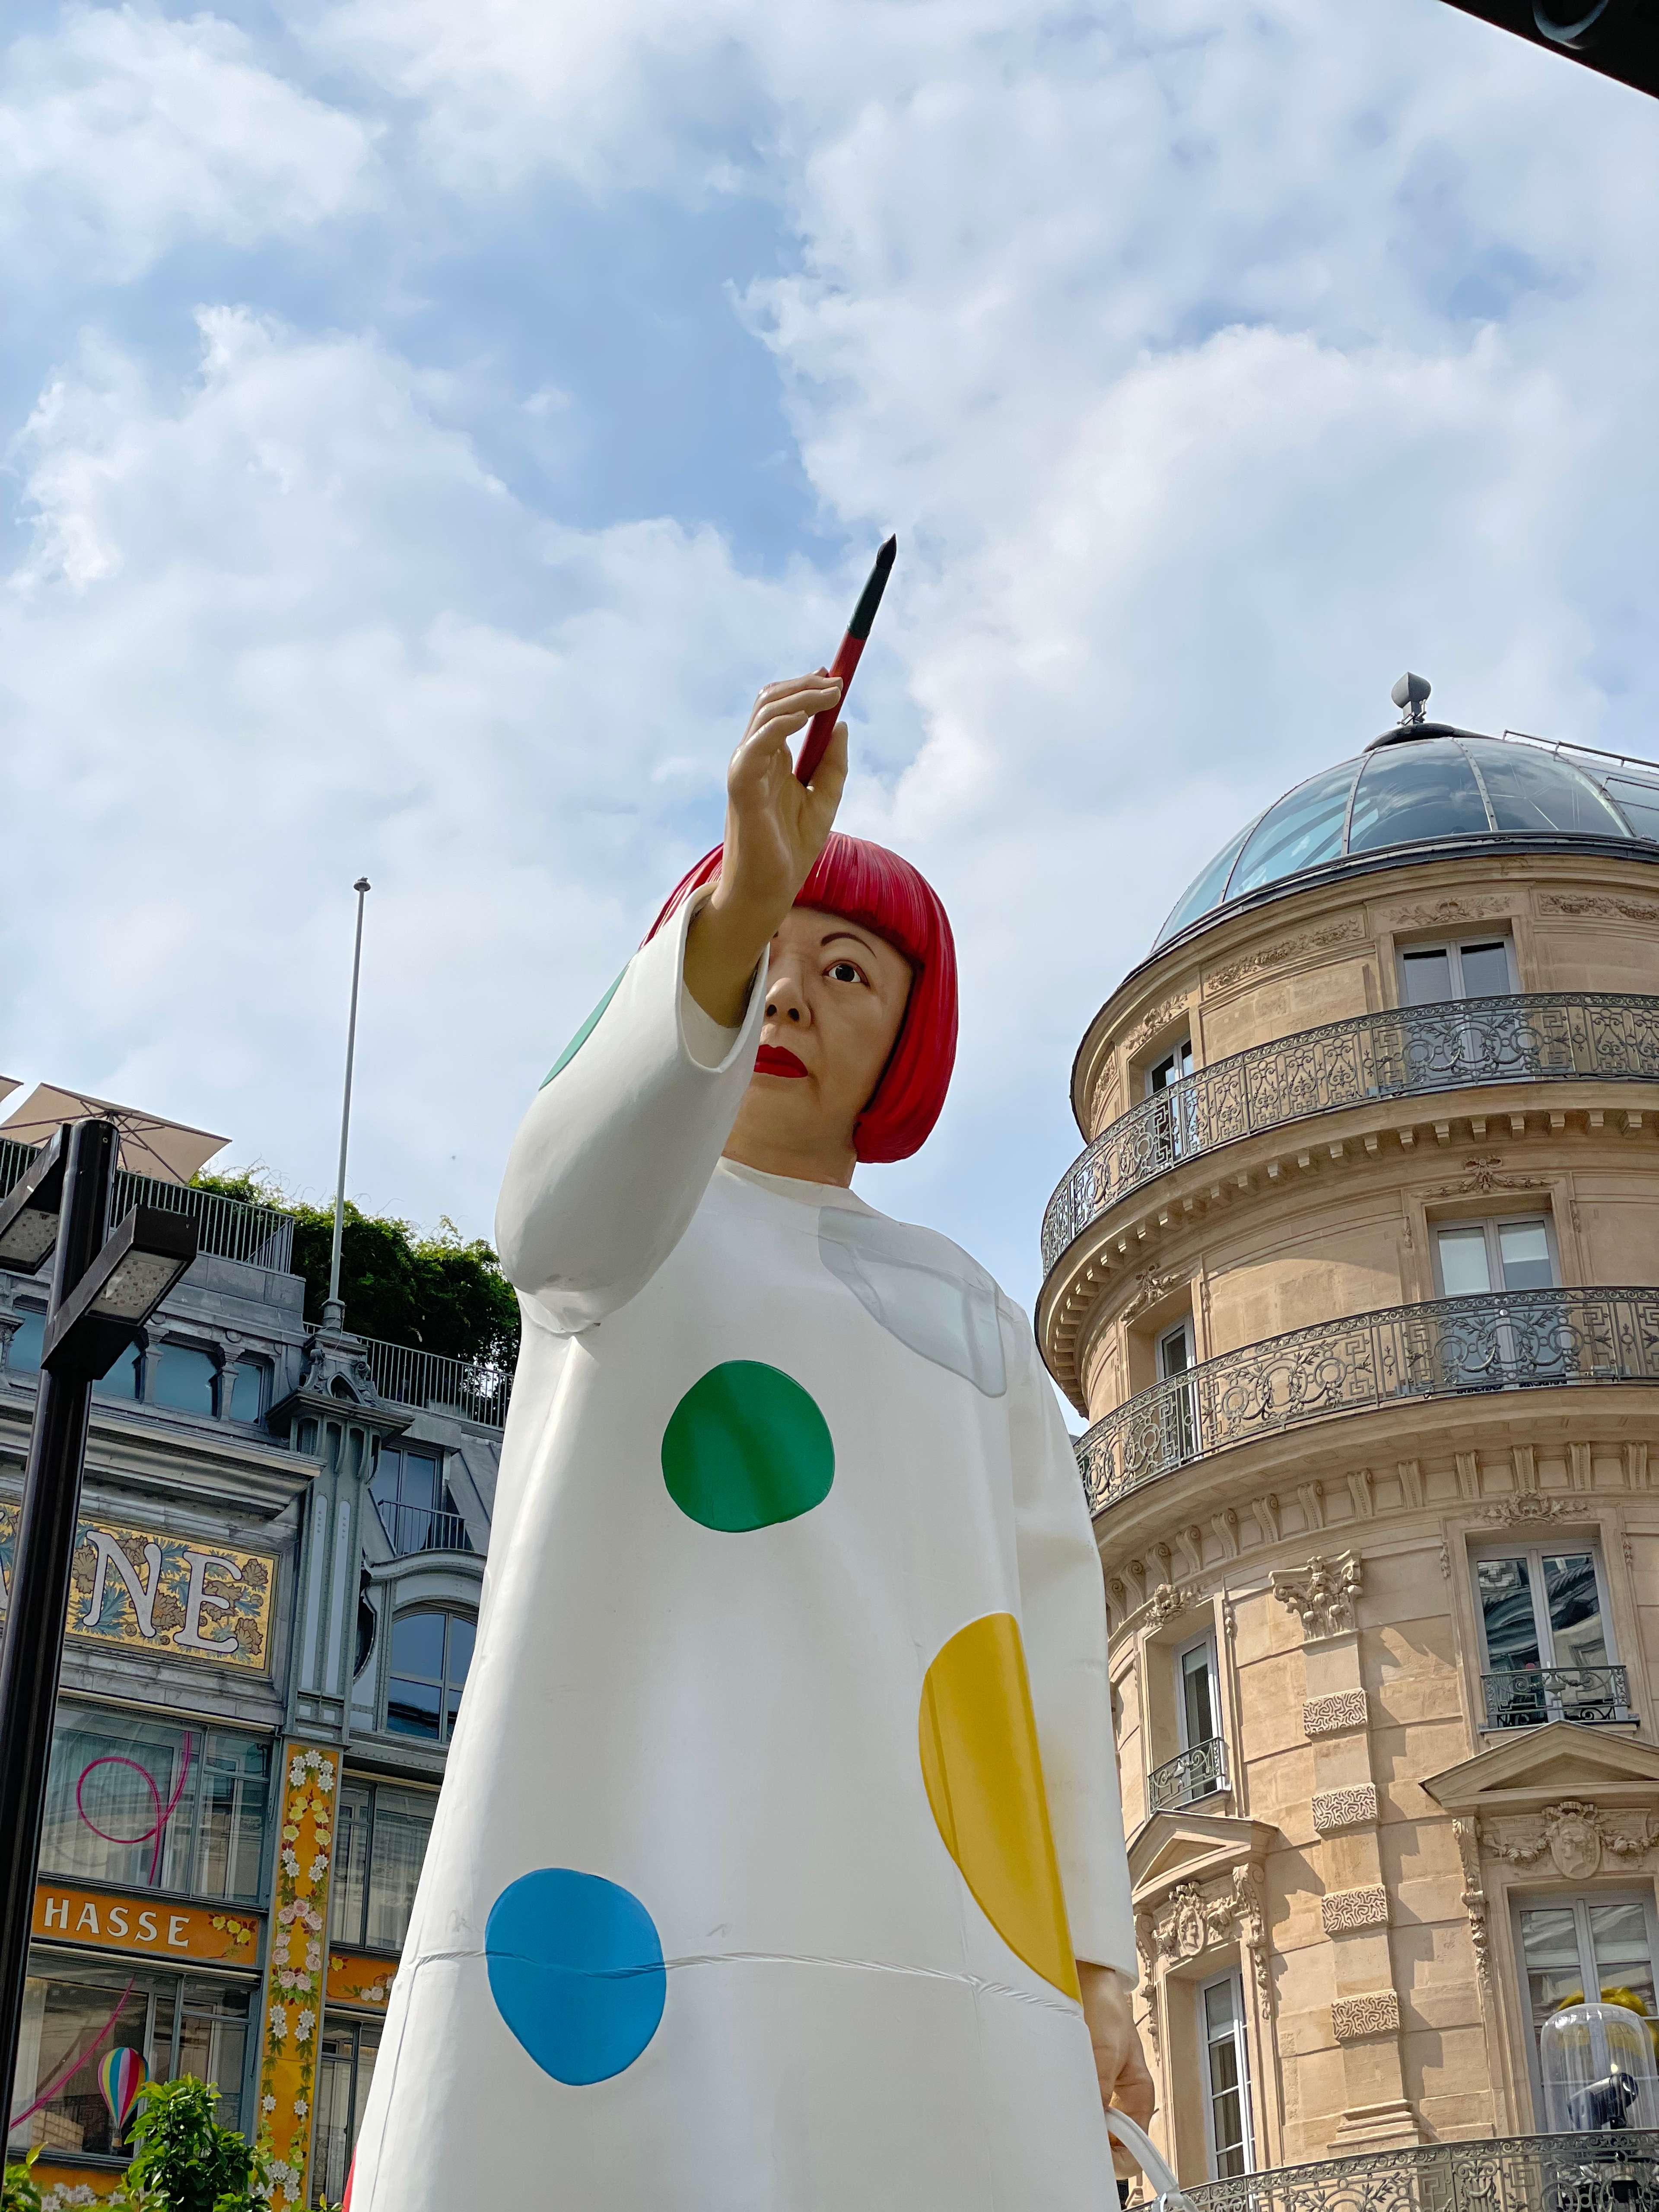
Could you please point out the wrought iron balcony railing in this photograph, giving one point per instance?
(1445, 1348)
(225, 1226)
(1402, 1053)
(1527, 1697)
(1617, 2172)
(477, 1389)
(1196, 1774)
(412, 1528)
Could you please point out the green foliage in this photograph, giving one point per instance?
(441, 1294)
(184, 2160)
(19, 2193)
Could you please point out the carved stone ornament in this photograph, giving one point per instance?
(1529, 1506)
(1334, 1715)
(1467, 1834)
(1343, 932)
(1155, 1018)
(1197, 1917)
(1578, 902)
(1168, 1600)
(1481, 1178)
(1575, 1834)
(1354, 2017)
(1322, 1594)
(1436, 915)
(1150, 1287)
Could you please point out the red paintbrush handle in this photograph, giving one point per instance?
(822, 727)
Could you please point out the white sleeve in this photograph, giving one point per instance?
(614, 1156)
(1063, 1601)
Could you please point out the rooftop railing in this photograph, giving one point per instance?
(1443, 1347)
(475, 1390)
(1403, 1053)
(1615, 2172)
(226, 1227)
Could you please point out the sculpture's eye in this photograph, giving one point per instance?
(843, 971)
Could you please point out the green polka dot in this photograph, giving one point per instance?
(746, 1447)
(582, 1034)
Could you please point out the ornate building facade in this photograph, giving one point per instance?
(280, 1554)
(1355, 1283)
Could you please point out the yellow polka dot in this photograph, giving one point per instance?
(983, 1774)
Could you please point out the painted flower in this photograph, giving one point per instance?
(300, 2108)
(325, 1780)
(296, 1773)
(279, 2022)
(267, 2103)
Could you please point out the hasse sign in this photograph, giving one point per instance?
(149, 1591)
(158, 1927)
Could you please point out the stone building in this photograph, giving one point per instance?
(281, 1547)
(1354, 1282)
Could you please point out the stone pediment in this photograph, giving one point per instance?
(1173, 1848)
(1564, 1759)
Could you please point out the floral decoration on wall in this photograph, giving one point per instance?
(294, 1983)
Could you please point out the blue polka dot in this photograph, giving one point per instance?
(576, 1972)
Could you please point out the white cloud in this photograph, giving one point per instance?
(278, 627)
(124, 132)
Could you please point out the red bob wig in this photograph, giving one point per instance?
(866, 883)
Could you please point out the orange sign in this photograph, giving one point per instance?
(358, 1978)
(156, 1927)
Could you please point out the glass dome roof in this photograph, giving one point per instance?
(1416, 788)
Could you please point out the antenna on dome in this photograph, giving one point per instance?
(1411, 695)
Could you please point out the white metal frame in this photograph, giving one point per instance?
(1522, 1900)
(1454, 948)
(1492, 1223)
(1233, 1982)
(1500, 1548)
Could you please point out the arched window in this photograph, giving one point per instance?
(431, 1651)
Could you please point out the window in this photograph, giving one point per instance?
(1199, 1769)
(1544, 1629)
(153, 1804)
(380, 1846)
(182, 1377)
(1475, 1257)
(26, 1339)
(431, 1652)
(1226, 2077)
(124, 1379)
(345, 2071)
(414, 1503)
(1473, 968)
(245, 1384)
(1579, 1947)
(1174, 1067)
(1173, 1126)
(75, 2014)
(1175, 1356)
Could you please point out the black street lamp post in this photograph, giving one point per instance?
(104, 1289)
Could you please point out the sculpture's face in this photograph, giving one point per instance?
(835, 995)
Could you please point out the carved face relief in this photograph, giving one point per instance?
(1575, 1842)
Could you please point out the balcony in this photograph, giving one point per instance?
(472, 1389)
(411, 1529)
(1196, 1774)
(1405, 1052)
(225, 1227)
(1529, 1697)
(1442, 1348)
(1612, 2173)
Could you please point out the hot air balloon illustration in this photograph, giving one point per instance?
(121, 2075)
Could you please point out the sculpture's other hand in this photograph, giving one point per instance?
(775, 828)
(1119, 2063)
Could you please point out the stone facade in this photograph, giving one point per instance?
(1364, 1841)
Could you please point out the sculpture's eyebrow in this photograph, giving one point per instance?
(851, 933)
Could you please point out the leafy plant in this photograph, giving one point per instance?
(19, 2193)
(443, 1293)
(184, 2160)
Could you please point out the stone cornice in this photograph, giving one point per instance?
(202, 1463)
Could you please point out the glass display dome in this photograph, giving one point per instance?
(1420, 786)
(1599, 2068)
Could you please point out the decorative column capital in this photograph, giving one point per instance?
(1321, 1595)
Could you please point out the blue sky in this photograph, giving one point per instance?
(425, 423)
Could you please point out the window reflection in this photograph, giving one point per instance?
(380, 1846)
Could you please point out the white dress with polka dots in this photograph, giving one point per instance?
(736, 1899)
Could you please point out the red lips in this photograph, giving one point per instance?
(773, 1060)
